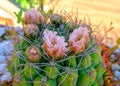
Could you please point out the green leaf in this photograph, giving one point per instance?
(118, 41)
(113, 48)
(19, 15)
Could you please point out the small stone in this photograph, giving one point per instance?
(5, 77)
(6, 47)
(3, 68)
(4, 59)
(115, 66)
(117, 73)
(115, 79)
(2, 31)
(117, 85)
(19, 30)
(112, 57)
(117, 52)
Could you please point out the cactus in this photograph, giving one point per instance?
(87, 77)
(43, 81)
(95, 57)
(31, 30)
(56, 54)
(69, 78)
(95, 84)
(33, 54)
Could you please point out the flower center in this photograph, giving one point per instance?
(78, 38)
(53, 42)
(33, 51)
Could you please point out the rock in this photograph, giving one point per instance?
(113, 58)
(117, 73)
(19, 30)
(115, 66)
(117, 52)
(2, 31)
(5, 77)
(3, 68)
(115, 79)
(3, 59)
(6, 47)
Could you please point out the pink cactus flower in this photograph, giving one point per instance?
(54, 45)
(33, 16)
(31, 30)
(33, 54)
(78, 39)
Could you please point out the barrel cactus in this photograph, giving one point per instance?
(55, 54)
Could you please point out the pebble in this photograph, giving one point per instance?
(117, 52)
(2, 31)
(6, 77)
(115, 66)
(117, 73)
(6, 47)
(3, 68)
(4, 58)
(115, 79)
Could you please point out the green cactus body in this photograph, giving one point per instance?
(51, 82)
(11, 69)
(21, 81)
(25, 82)
(68, 79)
(92, 43)
(43, 81)
(95, 57)
(37, 81)
(95, 84)
(18, 81)
(16, 64)
(99, 48)
(71, 62)
(30, 72)
(100, 71)
(22, 45)
(84, 62)
(51, 72)
(87, 77)
(100, 82)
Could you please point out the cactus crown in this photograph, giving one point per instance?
(55, 47)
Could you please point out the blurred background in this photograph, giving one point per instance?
(102, 15)
(105, 13)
